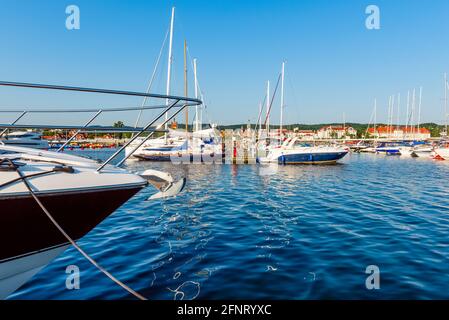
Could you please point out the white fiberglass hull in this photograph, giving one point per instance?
(305, 155)
(16, 272)
(27, 143)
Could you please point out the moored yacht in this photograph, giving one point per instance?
(292, 151)
(193, 145)
(28, 139)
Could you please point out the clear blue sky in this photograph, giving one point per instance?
(334, 64)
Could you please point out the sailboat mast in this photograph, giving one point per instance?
(392, 113)
(375, 115)
(445, 102)
(170, 61)
(407, 116)
(282, 101)
(413, 114)
(389, 115)
(399, 111)
(267, 126)
(419, 110)
(259, 124)
(197, 123)
(185, 84)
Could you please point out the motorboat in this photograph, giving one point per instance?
(423, 151)
(50, 199)
(28, 139)
(442, 153)
(293, 151)
(406, 151)
(389, 148)
(192, 146)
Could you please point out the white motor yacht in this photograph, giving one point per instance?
(28, 139)
(292, 151)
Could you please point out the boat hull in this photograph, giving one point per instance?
(178, 158)
(16, 272)
(311, 158)
(28, 232)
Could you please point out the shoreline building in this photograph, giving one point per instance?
(390, 132)
(336, 132)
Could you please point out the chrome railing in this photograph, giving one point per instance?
(178, 102)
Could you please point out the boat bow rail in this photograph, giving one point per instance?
(177, 103)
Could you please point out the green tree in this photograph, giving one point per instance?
(119, 124)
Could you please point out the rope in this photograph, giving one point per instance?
(72, 242)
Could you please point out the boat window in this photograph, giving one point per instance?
(2, 152)
(21, 136)
(301, 144)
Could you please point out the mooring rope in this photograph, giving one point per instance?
(72, 242)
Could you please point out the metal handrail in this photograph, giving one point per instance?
(171, 102)
(83, 129)
(94, 90)
(92, 110)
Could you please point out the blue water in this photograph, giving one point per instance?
(303, 232)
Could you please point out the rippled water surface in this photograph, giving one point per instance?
(301, 232)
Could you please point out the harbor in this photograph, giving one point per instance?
(256, 229)
(181, 157)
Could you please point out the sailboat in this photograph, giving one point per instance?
(175, 144)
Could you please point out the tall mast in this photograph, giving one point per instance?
(445, 102)
(170, 61)
(413, 114)
(389, 115)
(197, 122)
(399, 111)
(392, 114)
(406, 116)
(185, 84)
(267, 126)
(259, 124)
(375, 115)
(282, 100)
(419, 110)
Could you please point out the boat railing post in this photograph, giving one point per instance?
(138, 135)
(14, 122)
(79, 130)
